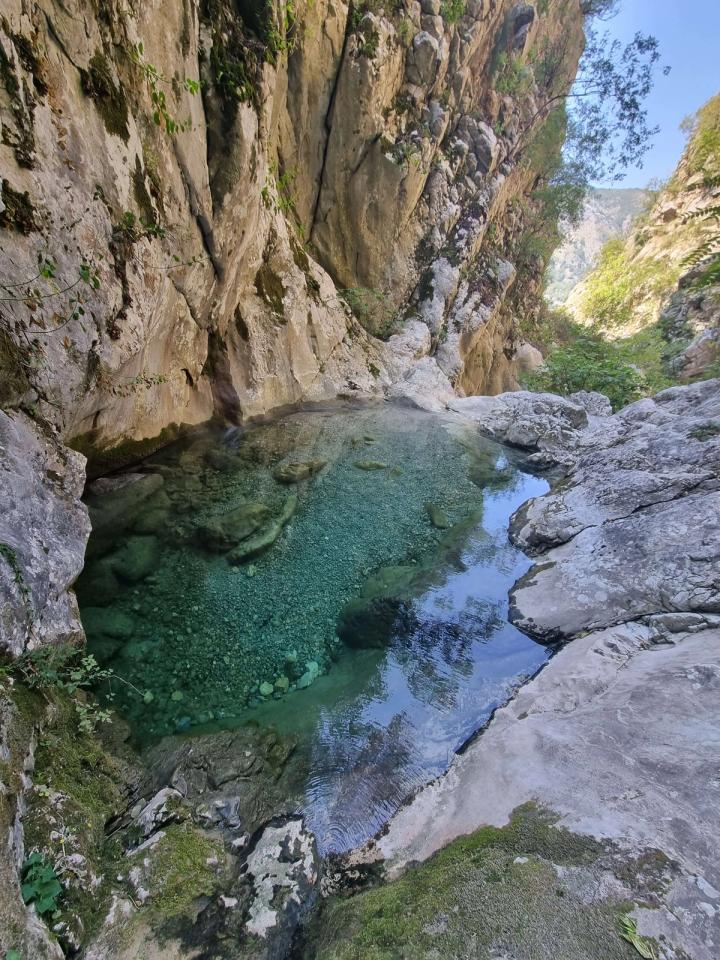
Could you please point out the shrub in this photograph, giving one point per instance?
(590, 363)
(40, 884)
(373, 311)
(452, 10)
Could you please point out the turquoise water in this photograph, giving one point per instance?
(216, 586)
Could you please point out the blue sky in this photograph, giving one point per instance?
(689, 35)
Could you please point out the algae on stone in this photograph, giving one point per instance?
(516, 891)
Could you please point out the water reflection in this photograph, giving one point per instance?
(218, 582)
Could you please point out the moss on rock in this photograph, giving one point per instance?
(512, 891)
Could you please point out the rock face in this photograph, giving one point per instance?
(192, 240)
(43, 531)
(669, 283)
(617, 734)
(639, 509)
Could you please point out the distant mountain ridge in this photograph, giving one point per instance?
(608, 213)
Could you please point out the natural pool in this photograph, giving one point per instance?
(340, 573)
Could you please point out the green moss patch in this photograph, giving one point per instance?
(77, 789)
(99, 84)
(270, 288)
(510, 892)
(186, 863)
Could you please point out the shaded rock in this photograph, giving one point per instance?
(295, 472)
(258, 544)
(111, 500)
(236, 779)
(136, 559)
(102, 622)
(371, 622)
(99, 586)
(225, 530)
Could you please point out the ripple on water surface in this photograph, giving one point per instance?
(227, 570)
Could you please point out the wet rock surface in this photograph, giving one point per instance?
(617, 735)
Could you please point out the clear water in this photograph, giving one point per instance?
(204, 640)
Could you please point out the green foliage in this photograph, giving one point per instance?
(373, 310)
(133, 228)
(708, 431)
(67, 668)
(492, 886)
(181, 871)
(278, 194)
(512, 76)
(161, 112)
(629, 932)
(589, 363)
(452, 10)
(40, 884)
(10, 557)
(13, 955)
(703, 151)
(620, 283)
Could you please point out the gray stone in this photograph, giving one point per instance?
(619, 738)
(43, 531)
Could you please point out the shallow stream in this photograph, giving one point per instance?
(339, 573)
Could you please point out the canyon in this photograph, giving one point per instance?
(264, 324)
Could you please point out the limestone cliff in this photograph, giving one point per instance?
(607, 213)
(659, 276)
(187, 186)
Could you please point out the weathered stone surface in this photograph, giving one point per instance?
(618, 736)
(43, 531)
(542, 423)
(634, 526)
(664, 558)
(283, 868)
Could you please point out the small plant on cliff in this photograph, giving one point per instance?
(40, 884)
(629, 932)
(66, 668)
(373, 310)
(161, 114)
(452, 10)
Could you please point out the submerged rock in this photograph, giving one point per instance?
(226, 530)
(295, 472)
(437, 515)
(370, 465)
(253, 546)
(136, 559)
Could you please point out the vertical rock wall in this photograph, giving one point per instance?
(170, 250)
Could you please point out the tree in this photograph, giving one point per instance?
(608, 128)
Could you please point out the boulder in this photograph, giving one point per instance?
(224, 531)
(295, 472)
(136, 559)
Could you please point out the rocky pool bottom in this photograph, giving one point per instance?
(339, 574)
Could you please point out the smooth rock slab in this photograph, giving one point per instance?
(619, 736)
(663, 559)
